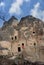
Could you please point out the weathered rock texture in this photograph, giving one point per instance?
(25, 37)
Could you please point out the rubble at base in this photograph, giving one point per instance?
(5, 61)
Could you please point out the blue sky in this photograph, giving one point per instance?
(21, 8)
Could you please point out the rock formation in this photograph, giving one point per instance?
(26, 36)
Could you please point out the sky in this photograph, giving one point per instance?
(21, 8)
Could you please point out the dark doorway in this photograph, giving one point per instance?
(19, 49)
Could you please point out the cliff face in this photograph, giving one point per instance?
(12, 21)
(7, 29)
(29, 31)
(29, 24)
(29, 20)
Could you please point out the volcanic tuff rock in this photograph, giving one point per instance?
(28, 32)
(11, 22)
(26, 22)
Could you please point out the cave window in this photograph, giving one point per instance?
(34, 44)
(15, 37)
(19, 49)
(33, 32)
(12, 38)
(22, 45)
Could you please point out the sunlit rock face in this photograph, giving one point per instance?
(26, 37)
